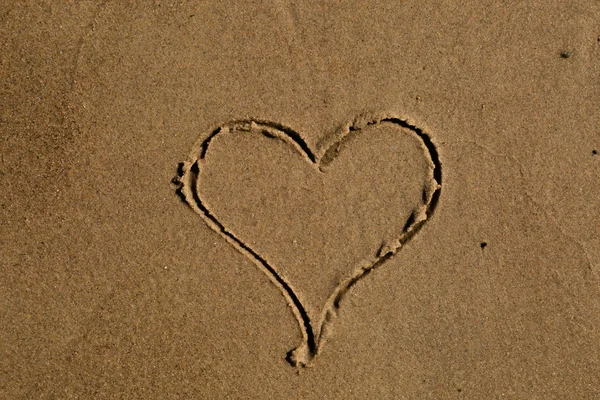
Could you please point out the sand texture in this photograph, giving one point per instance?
(300, 200)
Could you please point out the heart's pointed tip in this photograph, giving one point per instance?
(301, 356)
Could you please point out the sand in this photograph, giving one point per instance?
(312, 200)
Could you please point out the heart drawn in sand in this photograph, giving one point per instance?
(315, 222)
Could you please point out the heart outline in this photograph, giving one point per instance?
(313, 339)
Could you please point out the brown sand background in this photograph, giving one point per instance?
(111, 288)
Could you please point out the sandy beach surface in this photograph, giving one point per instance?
(300, 200)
